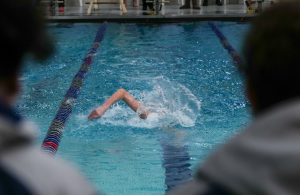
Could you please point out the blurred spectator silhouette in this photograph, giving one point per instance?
(218, 2)
(23, 168)
(187, 4)
(145, 5)
(61, 6)
(265, 157)
(52, 5)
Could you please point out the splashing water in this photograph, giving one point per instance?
(170, 103)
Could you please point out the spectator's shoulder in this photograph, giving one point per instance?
(38, 172)
(43, 174)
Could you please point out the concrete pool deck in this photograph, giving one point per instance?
(169, 13)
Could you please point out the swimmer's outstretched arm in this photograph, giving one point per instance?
(121, 94)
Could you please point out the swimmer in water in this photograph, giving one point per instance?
(121, 94)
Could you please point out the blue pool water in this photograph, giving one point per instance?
(178, 71)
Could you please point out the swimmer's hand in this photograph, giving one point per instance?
(143, 114)
(97, 113)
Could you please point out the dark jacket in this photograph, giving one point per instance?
(24, 169)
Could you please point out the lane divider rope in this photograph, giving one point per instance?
(55, 132)
(231, 51)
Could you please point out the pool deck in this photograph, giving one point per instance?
(168, 14)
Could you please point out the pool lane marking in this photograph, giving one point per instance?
(224, 41)
(55, 132)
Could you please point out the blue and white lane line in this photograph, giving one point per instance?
(231, 51)
(55, 132)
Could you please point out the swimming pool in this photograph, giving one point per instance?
(120, 153)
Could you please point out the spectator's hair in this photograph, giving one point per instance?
(272, 55)
(21, 31)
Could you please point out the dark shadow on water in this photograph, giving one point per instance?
(176, 164)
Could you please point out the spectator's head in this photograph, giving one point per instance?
(272, 56)
(21, 31)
